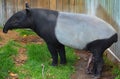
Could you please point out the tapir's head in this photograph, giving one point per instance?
(21, 19)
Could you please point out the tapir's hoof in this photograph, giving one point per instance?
(54, 64)
(63, 63)
(88, 72)
(96, 76)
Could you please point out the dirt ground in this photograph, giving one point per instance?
(21, 57)
(81, 66)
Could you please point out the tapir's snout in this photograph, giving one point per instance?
(5, 30)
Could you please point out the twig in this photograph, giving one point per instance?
(43, 71)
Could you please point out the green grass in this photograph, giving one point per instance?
(1, 27)
(115, 70)
(25, 32)
(6, 59)
(39, 55)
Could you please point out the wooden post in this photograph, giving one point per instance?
(59, 4)
(39, 3)
(14, 10)
(65, 5)
(5, 8)
(46, 3)
(53, 4)
(72, 5)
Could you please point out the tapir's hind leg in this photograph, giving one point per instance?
(97, 48)
(90, 64)
(98, 62)
(54, 54)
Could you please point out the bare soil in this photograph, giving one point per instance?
(4, 38)
(22, 57)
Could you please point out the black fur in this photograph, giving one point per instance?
(21, 19)
(45, 28)
(44, 25)
(98, 47)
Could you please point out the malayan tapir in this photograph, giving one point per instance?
(60, 29)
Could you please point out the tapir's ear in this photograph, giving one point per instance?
(27, 9)
(28, 12)
(27, 5)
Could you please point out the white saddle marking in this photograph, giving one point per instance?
(77, 30)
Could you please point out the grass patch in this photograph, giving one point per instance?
(1, 27)
(39, 56)
(115, 70)
(27, 32)
(6, 60)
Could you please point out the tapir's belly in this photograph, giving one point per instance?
(77, 30)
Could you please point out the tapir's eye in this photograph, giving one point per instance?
(14, 20)
(17, 18)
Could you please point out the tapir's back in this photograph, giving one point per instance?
(76, 30)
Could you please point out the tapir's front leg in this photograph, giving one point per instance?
(54, 54)
(61, 51)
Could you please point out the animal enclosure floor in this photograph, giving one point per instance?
(80, 65)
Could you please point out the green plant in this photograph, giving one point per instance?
(1, 27)
(23, 32)
(38, 65)
(6, 60)
(116, 71)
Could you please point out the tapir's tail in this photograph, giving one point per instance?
(114, 38)
(111, 40)
(107, 42)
